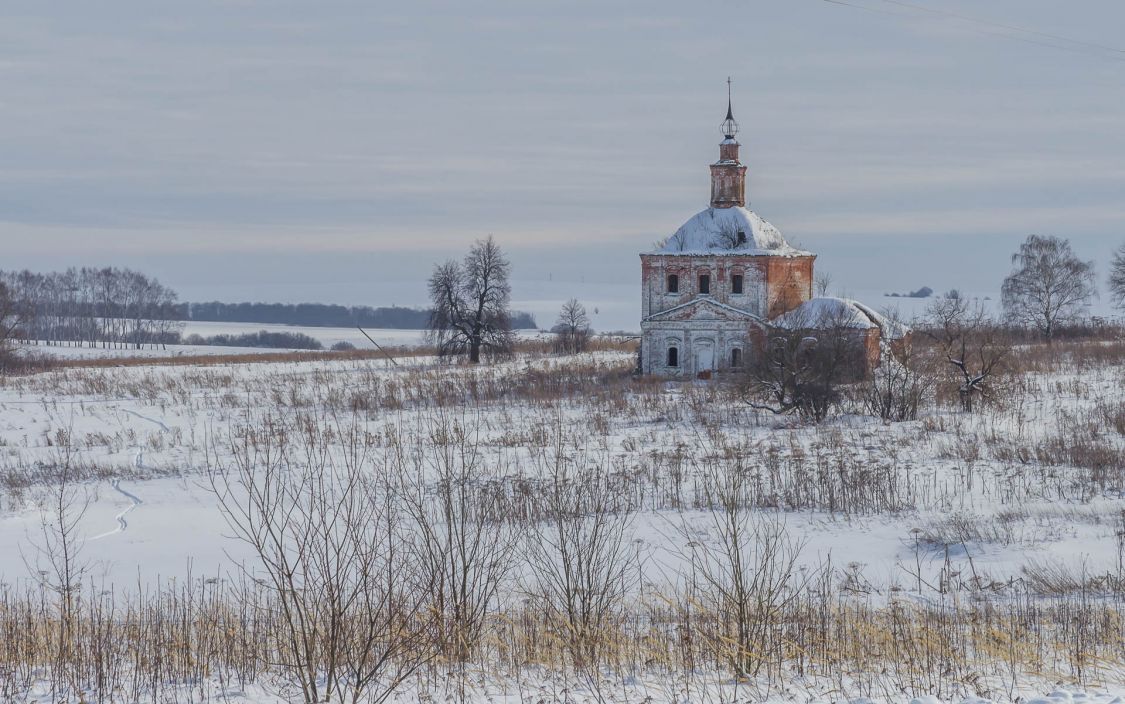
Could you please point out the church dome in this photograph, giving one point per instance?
(734, 230)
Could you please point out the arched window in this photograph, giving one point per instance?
(736, 283)
(705, 283)
(673, 283)
(736, 357)
(673, 356)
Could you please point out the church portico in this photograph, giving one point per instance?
(704, 334)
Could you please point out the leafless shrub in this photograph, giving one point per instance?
(57, 559)
(899, 386)
(580, 557)
(805, 364)
(463, 542)
(333, 554)
(973, 347)
(572, 329)
(743, 579)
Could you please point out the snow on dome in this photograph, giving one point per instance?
(735, 230)
(828, 311)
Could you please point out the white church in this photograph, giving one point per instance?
(712, 290)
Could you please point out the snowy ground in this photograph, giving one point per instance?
(150, 427)
(949, 497)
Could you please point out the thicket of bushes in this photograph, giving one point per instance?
(262, 338)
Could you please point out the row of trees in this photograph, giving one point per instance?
(321, 315)
(115, 307)
(107, 307)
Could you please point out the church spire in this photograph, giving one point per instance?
(729, 128)
(728, 175)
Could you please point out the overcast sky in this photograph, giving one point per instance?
(334, 150)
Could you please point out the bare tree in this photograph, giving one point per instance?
(329, 539)
(470, 303)
(90, 306)
(899, 385)
(464, 542)
(1048, 286)
(904, 378)
(581, 562)
(572, 329)
(744, 576)
(971, 344)
(805, 363)
(1117, 277)
(822, 282)
(729, 236)
(57, 559)
(12, 314)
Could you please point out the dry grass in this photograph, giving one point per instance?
(1055, 435)
(151, 646)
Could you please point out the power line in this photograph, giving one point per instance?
(1075, 45)
(1002, 25)
(869, 9)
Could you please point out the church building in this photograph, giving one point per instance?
(712, 291)
(709, 289)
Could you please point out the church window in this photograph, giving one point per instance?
(673, 356)
(736, 357)
(673, 283)
(736, 283)
(741, 238)
(705, 283)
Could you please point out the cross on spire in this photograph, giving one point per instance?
(729, 128)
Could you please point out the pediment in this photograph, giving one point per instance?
(702, 309)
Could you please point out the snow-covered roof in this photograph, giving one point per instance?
(716, 231)
(829, 311)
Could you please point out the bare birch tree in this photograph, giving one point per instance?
(1048, 286)
(12, 315)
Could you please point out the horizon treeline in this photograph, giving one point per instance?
(121, 307)
(108, 306)
(322, 315)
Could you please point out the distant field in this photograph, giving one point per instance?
(326, 336)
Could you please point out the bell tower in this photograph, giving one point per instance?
(728, 174)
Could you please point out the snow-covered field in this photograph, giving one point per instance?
(1021, 501)
(327, 336)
